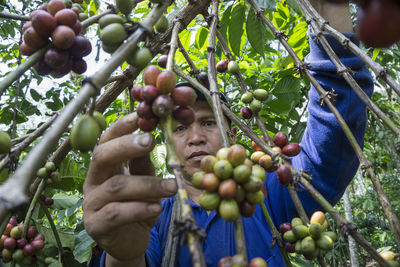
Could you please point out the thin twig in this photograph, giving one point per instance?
(12, 192)
(185, 54)
(13, 16)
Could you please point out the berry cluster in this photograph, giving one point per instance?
(281, 146)
(231, 182)
(22, 249)
(253, 99)
(86, 131)
(49, 172)
(113, 32)
(308, 241)
(238, 261)
(225, 65)
(159, 98)
(68, 48)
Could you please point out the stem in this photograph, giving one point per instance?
(345, 226)
(13, 16)
(375, 67)
(55, 232)
(349, 216)
(14, 75)
(276, 235)
(33, 205)
(298, 205)
(173, 45)
(185, 54)
(344, 72)
(14, 188)
(186, 211)
(239, 238)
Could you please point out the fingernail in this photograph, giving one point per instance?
(145, 139)
(155, 208)
(170, 185)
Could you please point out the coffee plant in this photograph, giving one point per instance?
(54, 105)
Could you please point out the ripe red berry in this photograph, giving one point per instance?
(284, 174)
(290, 247)
(29, 250)
(246, 113)
(280, 139)
(291, 149)
(284, 227)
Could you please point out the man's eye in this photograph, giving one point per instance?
(209, 123)
(180, 128)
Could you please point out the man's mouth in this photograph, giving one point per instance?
(198, 155)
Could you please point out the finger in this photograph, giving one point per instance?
(116, 152)
(121, 188)
(117, 214)
(123, 126)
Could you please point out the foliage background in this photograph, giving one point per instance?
(32, 100)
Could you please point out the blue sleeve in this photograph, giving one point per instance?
(326, 153)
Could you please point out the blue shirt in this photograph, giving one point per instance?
(326, 155)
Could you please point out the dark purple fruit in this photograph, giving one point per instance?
(29, 250)
(32, 232)
(222, 66)
(26, 26)
(56, 58)
(162, 61)
(210, 182)
(203, 79)
(284, 174)
(290, 247)
(149, 93)
(26, 50)
(42, 68)
(77, 28)
(144, 111)
(33, 39)
(183, 115)
(147, 125)
(150, 75)
(162, 106)
(284, 227)
(136, 93)
(247, 209)
(64, 70)
(22, 242)
(79, 65)
(48, 201)
(37, 244)
(80, 48)
(184, 96)
(63, 37)
(13, 221)
(246, 113)
(39, 237)
(280, 139)
(227, 188)
(54, 6)
(166, 82)
(291, 149)
(10, 243)
(43, 23)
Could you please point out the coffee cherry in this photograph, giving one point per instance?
(260, 94)
(291, 149)
(255, 197)
(66, 17)
(125, 7)
(38, 244)
(253, 184)
(148, 125)
(315, 230)
(210, 182)
(203, 79)
(113, 34)
(233, 67)
(247, 209)
(207, 163)
(84, 133)
(8, 229)
(29, 250)
(144, 110)
(32, 232)
(222, 66)
(136, 93)
(16, 232)
(6, 255)
(265, 161)
(290, 247)
(162, 106)
(184, 96)
(240, 194)
(256, 156)
(225, 262)
(277, 149)
(54, 6)
(238, 260)
(236, 155)
(284, 174)
(255, 105)
(43, 23)
(229, 210)
(161, 25)
(166, 82)
(280, 139)
(284, 227)
(10, 243)
(48, 201)
(227, 188)
(241, 173)
(247, 97)
(22, 242)
(183, 115)
(150, 75)
(197, 178)
(209, 200)
(223, 169)
(39, 237)
(162, 61)
(318, 217)
(223, 153)
(258, 262)
(246, 113)
(289, 236)
(108, 19)
(63, 37)
(13, 221)
(149, 93)
(140, 57)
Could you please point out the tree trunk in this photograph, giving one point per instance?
(349, 216)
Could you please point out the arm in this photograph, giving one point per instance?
(326, 154)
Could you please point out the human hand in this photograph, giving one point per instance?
(120, 208)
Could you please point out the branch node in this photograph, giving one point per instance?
(347, 228)
(92, 83)
(182, 227)
(210, 49)
(280, 35)
(299, 69)
(259, 13)
(345, 43)
(330, 95)
(112, 8)
(382, 73)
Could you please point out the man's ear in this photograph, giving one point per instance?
(232, 135)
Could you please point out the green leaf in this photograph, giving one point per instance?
(35, 95)
(83, 246)
(184, 36)
(67, 237)
(295, 6)
(376, 53)
(236, 27)
(224, 22)
(63, 201)
(267, 4)
(255, 30)
(201, 37)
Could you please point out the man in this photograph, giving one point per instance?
(122, 210)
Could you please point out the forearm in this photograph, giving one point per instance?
(112, 262)
(338, 15)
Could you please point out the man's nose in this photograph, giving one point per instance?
(196, 135)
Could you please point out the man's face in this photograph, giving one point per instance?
(197, 140)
